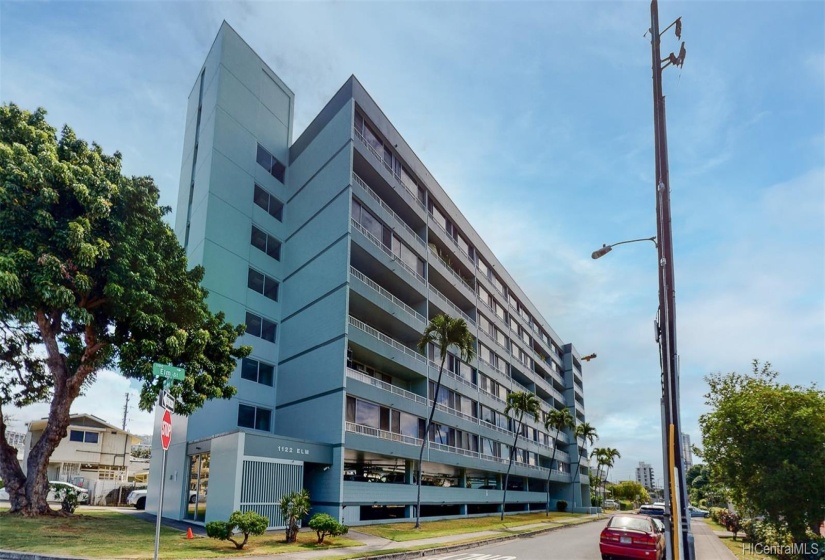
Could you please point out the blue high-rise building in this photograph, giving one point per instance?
(336, 250)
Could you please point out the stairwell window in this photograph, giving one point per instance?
(270, 163)
(254, 417)
(263, 284)
(260, 327)
(259, 372)
(272, 205)
(266, 243)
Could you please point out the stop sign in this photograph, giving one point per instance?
(166, 430)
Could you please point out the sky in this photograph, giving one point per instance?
(536, 118)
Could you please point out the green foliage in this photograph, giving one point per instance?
(67, 496)
(91, 277)
(631, 491)
(716, 512)
(246, 523)
(625, 505)
(324, 524)
(294, 507)
(764, 442)
(731, 521)
(561, 505)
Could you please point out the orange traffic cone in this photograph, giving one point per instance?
(189, 534)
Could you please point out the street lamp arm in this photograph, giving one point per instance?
(607, 248)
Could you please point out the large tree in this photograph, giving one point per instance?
(90, 277)
(442, 332)
(556, 420)
(519, 403)
(587, 434)
(765, 442)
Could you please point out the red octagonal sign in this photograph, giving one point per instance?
(166, 430)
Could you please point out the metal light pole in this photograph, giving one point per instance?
(680, 537)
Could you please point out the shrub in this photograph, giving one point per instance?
(67, 497)
(561, 505)
(248, 523)
(715, 512)
(324, 524)
(625, 505)
(731, 522)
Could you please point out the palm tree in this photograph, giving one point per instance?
(443, 331)
(557, 420)
(599, 454)
(519, 403)
(609, 456)
(586, 433)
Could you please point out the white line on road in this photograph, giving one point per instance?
(465, 556)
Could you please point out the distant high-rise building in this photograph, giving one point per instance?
(687, 454)
(644, 475)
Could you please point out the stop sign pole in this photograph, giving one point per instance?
(165, 440)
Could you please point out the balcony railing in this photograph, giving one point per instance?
(387, 295)
(385, 339)
(453, 242)
(364, 378)
(359, 181)
(377, 242)
(453, 376)
(399, 182)
(455, 274)
(451, 305)
(383, 434)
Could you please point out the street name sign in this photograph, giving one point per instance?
(167, 371)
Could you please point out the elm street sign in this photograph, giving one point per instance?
(169, 372)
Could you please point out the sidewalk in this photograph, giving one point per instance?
(708, 546)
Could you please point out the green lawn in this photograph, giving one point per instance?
(738, 547)
(109, 534)
(401, 532)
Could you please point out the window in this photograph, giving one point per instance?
(263, 284)
(256, 371)
(254, 417)
(83, 437)
(270, 163)
(498, 285)
(272, 205)
(260, 327)
(266, 243)
(483, 268)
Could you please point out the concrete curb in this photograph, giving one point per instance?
(11, 555)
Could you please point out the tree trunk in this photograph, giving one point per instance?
(28, 492)
(426, 437)
(573, 482)
(509, 466)
(552, 458)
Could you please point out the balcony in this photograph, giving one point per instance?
(397, 182)
(364, 378)
(451, 277)
(453, 245)
(396, 219)
(377, 242)
(448, 306)
(389, 298)
(376, 341)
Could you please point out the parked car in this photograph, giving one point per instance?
(611, 504)
(632, 536)
(697, 512)
(56, 492)
(655, 511)
(137, 498)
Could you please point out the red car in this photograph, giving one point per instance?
(632, 536)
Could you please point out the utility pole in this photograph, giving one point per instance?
(678, 522)
(125, 412)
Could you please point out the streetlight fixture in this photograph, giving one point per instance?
(599, 253)
(677, 527)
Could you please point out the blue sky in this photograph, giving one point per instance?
(536, 118)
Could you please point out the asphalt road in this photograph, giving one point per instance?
(579, 542)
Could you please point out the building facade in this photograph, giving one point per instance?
(336, 250)
(644, 475)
